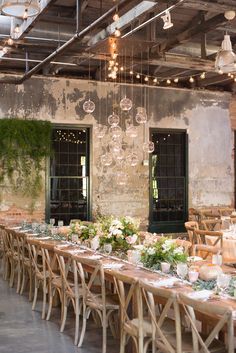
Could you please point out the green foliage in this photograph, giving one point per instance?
(201, 284)
(164, 250)
(24, 144)
(83, 230)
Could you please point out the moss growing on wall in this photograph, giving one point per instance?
(24, 145)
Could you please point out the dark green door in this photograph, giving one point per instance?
(168, 189)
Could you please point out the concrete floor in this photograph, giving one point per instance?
(23, 331)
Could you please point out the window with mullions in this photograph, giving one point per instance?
(168, 206)
(69, 175)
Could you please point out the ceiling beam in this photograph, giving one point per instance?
(210, 6)
(185, 36)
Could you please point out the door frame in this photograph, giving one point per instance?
(171, 226)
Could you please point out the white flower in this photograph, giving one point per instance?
(166, 246)
(131, 239)
(151, 251)
(178, 251)
(109, 235)
(117, 232)
(139, 247)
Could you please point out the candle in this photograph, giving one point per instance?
(193, 276)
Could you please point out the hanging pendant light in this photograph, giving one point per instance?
(225, 59)
(19, 8)
(113, 119)
(89, 106)
(167, 20)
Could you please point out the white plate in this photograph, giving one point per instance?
(200, 295)
(94, 257)
(194, 258)
(167, 282)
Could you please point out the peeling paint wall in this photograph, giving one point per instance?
(205, 116)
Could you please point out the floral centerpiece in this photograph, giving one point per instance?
(83, 231)
(121, 233)
(163, 250)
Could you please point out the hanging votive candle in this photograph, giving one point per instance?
(126, 104)
(89, 106)
(113, 119)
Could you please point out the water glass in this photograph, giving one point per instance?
(60, 223)
(223, 281)
(52, 221)
(107, 248)
(94, 243)
(193, 276)
(217, 259)
(182, 270)
(134, 256)
(165, 267)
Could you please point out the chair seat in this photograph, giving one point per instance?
(187, 343)
(95, 301)
(132, 326)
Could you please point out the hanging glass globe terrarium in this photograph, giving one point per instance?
(141, 116)
(148, 147)
(126, 104)
(132, 131)
(115, 131)
(106, 159)
(89, 106)
(100, 131)
(132, 159)
(113, 119)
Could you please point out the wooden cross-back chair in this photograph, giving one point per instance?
(166, 325)
(190, 226)
(39, 271)
(132, 324)
(211, 224)
(202, 248)
(25, 264)
(226, 211)
(97, 297)
(70, 289)
(196, 341)
(55, 283)
(12, 258)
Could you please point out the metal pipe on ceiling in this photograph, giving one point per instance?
(76, 37)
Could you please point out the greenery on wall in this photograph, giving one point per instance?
(24, 145)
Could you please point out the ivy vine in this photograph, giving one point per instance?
(24, 145)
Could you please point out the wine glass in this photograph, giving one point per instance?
(107, 248)
(182, 270)
(223, 281)
(60, 224)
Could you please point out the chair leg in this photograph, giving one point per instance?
(104, 333)
(83, 326)
(23, 280)
(18, 278)
(30, 284)
(35, 294)
(50, 299)
(12, 273)
(122, 341)
(64, 315)
(44, 300)
(77, 310)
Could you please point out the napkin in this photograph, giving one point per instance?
(109, 266)
(200, 295)
(94, 257)
(167, 282)
(76, 251)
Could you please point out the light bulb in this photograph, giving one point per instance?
(138, 76)
(25, 15)
(131, 72)
(168, 81)
(5, 50)
(220, 72)
(121, 68)
(115, 69)
(113, 45)
(235, 79)
(117, 33)
(17, 29)
(155, 80)
(176, 80)
(114, 56)
(146, 79)
(115, 17)
(229, 74)
(203, 76)
(111, 62)
(10, 41)
(191, 79)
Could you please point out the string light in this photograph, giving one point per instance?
(113, 45)
(155, 80)
(191, 79)
(203, 75)
(220, 72)
(121, 68)
(25, 15)
(114, 55)
(117, 33)
(229, 74)
(116, 17)
(10, 41)
(131, 72)
(176, 80)
(137, 76)
(235, 79)
(168, 81)
(146, 79)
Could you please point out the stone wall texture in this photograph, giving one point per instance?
(203, 114)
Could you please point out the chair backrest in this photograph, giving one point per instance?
(211, 224)
(224, 315)
(128, 291)
(226, 211)
(50, 260)
(190, 226)
(151, 296)
(65, 265)
(184, 243)
(201, 236)
(37, 257)
(91, 274)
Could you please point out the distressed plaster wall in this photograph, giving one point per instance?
(205, 116)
